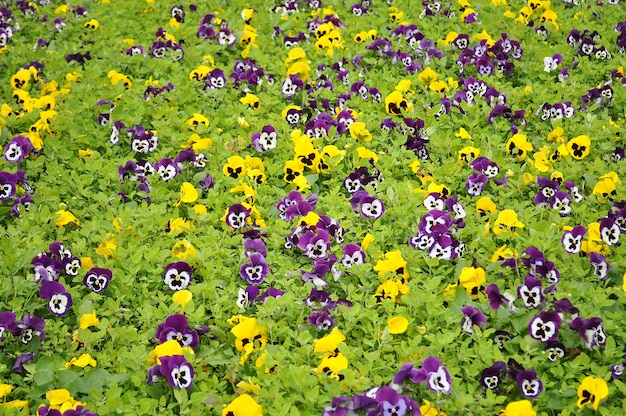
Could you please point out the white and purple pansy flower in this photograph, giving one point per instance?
(177, 370)
(609, 231)
(572, 239)
(8, 185)
(560, 201)
(70, 266)
(435, 375)
(236, 216)
(322, 320)
(497, 299)
(600, 266)
(471, 317)
(30, 327)
(177, 276)
(555, 350)
(245, 296)
(176, 328)
(166, 168)
(45, 268)
(353, 254)
(315, 246)
(443, 247)
(59, 300)
(529, 384)
(98, 279)
(591, 331)
(391, 403)
(545, 326)
(491, 377)
(18, 148)
(255, 271)
(530, 292)
(371, 207)
(266, 140)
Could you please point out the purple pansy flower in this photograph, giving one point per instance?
(476, 183)
(545, 326)
(7, 323)
(471, 317)
(555, 350)
(176, 328)
(353, 254)
(98, 279)
(246, 296)
(166, 168)
(371, 207)
(392, 403)
(315, 246)
(609, 231)
(18, 366)
(591, 331)
(30, 327)
(322, 320)
(491, 377)
(266, 140)
(572, 239)
(177, 276)
(497, 299)
(529, 384)
(18, 148)
(236, 216)
(255, 271)
(530, 292)
(177, 370)
(435, 375)
(600, 266)
(59, 300)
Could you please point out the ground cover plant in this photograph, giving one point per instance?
(312, 208)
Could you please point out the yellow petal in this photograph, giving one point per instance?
(397, 324)
(182, 297)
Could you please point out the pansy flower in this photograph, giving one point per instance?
(371, 207)
(59, 300)
(177, 370)
(572, 239)
(497, 299)
(97, 279)
(578, 147)
(529, 384)
(471, 317)
(545, 326)
(315, 245)
(555, 350)
(18, 148)
(609, 231)
(592, 390)
(392, 403)
(476, 183)
(600, 266)
(236, 216)
(491, 377)
(266, 140)
(435, 375)
(353, 254)
(255, 271)
(250, 336)
(591, 331)
(176, 328)
(166, 168)
(322, 320)
(177, 276)
(30, 327)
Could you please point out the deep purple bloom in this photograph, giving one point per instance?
(315, 246)
(7, 323)
(555, 349)
(18, 366)
(177, 276)
(371, 207)
(491, 377)
(476, 183)
(567, 312)
(59, 300)
(545, 326)
(166, 168)
(177, 370)
(28, 328)
(18, 148)
(392, 403)
(255, 271)
(322, 320)
(609, 231)
(497, 299)
(353, 254)
(246, 296)
(98, 279)
(176, 328)
(530, 292)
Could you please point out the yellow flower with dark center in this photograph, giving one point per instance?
(116, 77)
(243, 405)
(503, 253)
(557, 135)
(592, 390)
(517, 146)
(235, 167)
(328, 345)
(21, 79)
(91, 25)
(249, 36)
(197, 120)
(507, 222)
(200, 72)
(251, 100)
(333, 366)
(578, 147)
(473, 280)
(183, 250)
(307, 154)
(396, 104)
(393, 263)
(389, 289)
(468, 154)
(292, 170)
(250, 336)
